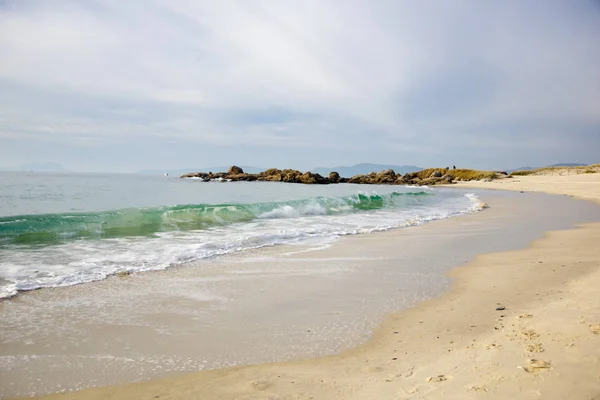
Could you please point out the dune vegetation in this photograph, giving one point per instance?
(583, 169)
(458, 174)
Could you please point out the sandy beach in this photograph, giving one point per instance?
(521, 324)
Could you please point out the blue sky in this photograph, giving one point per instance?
(109, 85)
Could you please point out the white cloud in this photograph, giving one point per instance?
(107, 70)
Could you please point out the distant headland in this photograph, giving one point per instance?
(430, 176)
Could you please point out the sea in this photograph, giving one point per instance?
(64, 229)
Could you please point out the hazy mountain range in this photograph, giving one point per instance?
(365, 168)
(345, 171)
(553, 165)
(37, 167)
(180, 171)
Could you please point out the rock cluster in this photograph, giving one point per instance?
(386, 177)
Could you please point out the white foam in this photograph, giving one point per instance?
(83, 261)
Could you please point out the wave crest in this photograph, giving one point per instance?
(57, 228)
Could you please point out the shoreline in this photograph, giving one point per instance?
(584, 186)
(427, 350)
(151, 237)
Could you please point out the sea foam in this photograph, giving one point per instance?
(52, 250)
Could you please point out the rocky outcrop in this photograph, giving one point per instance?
(196, 175)
(242, 177)
(433, 181)
(385, 177)
(310, 178)
(290, 175)
(334, 177)
(270, 175)
(235, 170)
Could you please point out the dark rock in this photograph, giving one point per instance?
(235, 170)
(194, 175)
(272, 175)
(311, 179)
(361, 179)
(410, 176)
(243, 177)
(428, 181)
(290, 175)
(447, 179)
(307, 178)
(334, 177)
(387, 176)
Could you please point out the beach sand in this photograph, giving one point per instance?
(521, 324)
(583, 186)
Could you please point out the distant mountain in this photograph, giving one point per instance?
(246, 168)
(365, 168)
(553, 165)
(521, 169)
(568, 165)
(43, 167)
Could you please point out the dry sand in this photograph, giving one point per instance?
(523, 324)
(583, 186)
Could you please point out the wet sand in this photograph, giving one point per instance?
(455, 346)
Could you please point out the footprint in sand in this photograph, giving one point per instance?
(535, 348)
(535, 366)
(405, 374)
(261, 385)
(492, 346)
(439, 378)
(595, 329)
(529, 334)
(478, 389)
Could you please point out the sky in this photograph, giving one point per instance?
(111, 85)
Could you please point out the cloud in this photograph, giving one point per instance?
(425, 79)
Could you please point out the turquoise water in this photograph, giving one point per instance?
(65, 229)
(54, 228)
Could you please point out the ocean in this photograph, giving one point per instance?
(63, 229)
